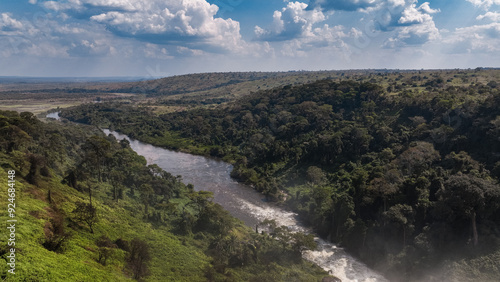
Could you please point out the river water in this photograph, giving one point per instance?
(245, 203)
(54, 115)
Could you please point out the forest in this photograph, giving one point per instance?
(90, 209)
(401, 169)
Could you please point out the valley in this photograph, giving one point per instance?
(378, 162)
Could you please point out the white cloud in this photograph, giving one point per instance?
(409, 23)
(51, 39)
(190, 23)
(473, 39)
(156, 52)
(9, 24)
(291, 22)
(493, 16)
(412, 15)
(86, 48)
(412, 25)
(484, 3)
(321, 37)
(426, 8)
(299, 32)
(181, 50)
(297, 25)
(413, 35)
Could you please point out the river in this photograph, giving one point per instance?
(245, 203)
(54, 115)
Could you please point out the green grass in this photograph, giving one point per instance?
(172, 260)
(174, 257)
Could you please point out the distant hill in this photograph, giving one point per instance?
(213, 88)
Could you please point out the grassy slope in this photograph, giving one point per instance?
(185, 262)
(174, 257)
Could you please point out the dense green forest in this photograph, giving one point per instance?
(401, 169)
(88, 208)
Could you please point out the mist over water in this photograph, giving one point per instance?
(245, 203)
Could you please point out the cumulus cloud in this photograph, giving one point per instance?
(291, 22)
(484, 3)
(412, 15)
(85, 48)
(331, 38)
(413, 35)
(474, 39)
(50, 39)
(395, 13)
(300, 31)
(9, 24)
(493, 16)
(189, 23)
(426, 8)
(411, 24)
(16, 37)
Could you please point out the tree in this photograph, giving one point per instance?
(86, 213)
(316, 175)
(462, 162)
(199, 200)
(116, 178)
(230, 250)
(106, 249)
(138, 258)
(342, 209)
(213, 218)
(13, 137)
(302, 242)
(36, 162)
(470, 196)
(71, 178)
(147, 195)
(96, 150)
(186, 222)
(387, 185)
(403, 216)
(417, 158)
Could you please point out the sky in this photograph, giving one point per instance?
(158, 38)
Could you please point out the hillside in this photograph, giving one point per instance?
(88, 208)
(184, 92)
(400, 168)
(163, 95)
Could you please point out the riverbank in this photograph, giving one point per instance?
(120, 219)
(245, 203)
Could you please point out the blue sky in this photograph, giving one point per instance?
(154, 38)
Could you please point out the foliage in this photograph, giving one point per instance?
(139, 210)
(375, 163)
(86, 213)
(139, 256)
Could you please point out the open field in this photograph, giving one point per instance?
(36, 106)
(39, 103)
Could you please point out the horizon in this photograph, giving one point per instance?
(124, 77)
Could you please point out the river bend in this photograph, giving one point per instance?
(245, 203)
